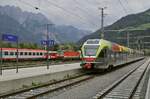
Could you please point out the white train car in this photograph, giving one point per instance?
(24, 54)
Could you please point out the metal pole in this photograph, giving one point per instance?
(139, 44)
(47, 43)
(127, 44)
(1, 57)
(17, 58)
(102, 22)
(47, 48)
(128, 39)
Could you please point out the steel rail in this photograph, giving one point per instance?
(20, 91)
(107, 90)
(67, 85)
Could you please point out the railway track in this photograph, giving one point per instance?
(126, 87)
(40, 90)
(12, 65)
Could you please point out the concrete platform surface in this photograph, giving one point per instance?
(148, 88)
(35, 71)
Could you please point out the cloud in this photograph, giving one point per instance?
(83, 14)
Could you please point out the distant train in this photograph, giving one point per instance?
(37, 54)
(103, 54)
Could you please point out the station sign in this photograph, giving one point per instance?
(49, 42)
(9, 37)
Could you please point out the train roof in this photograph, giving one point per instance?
(92, 41)
(115, 47)
(23, 49)
(107, 44)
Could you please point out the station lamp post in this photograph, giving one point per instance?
(1, 55)
(11, 38)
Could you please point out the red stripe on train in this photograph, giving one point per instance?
(89, 59)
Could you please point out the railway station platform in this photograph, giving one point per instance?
(10, 80)
(35, 71)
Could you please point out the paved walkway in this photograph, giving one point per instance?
(35, 71)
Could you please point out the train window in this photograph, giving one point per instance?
(90, 50)
(11, 53)
(25, 53)
(102, 54)
(21, 53)
(93, 42)
(41, 54)
(15, 53)
(37, 54)
(33, 53)
(5, 53)
(30, 53)
(112, 55)
(116, 55)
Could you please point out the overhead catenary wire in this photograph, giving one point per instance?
(30, 5)
(39, 2)
(124, 9)
(128, 5)
(84, 11)
(70, 12)
(89, 1)
(127, 34)
(35, 7)
(43, 10)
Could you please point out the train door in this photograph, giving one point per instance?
(103, 57)
(107, 53)
(111, 58)
(108, 61)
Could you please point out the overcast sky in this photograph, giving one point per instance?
(83, 14)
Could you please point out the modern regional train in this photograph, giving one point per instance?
(103, 54)
(9, 54)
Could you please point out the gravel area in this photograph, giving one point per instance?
(125, 89)
(141, 89)
(88, 89)
(143, 86)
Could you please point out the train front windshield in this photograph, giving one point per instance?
(90, 50)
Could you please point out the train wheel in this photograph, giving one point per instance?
(110, 68)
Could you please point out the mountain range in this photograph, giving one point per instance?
(31, 27)
(136, 25)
